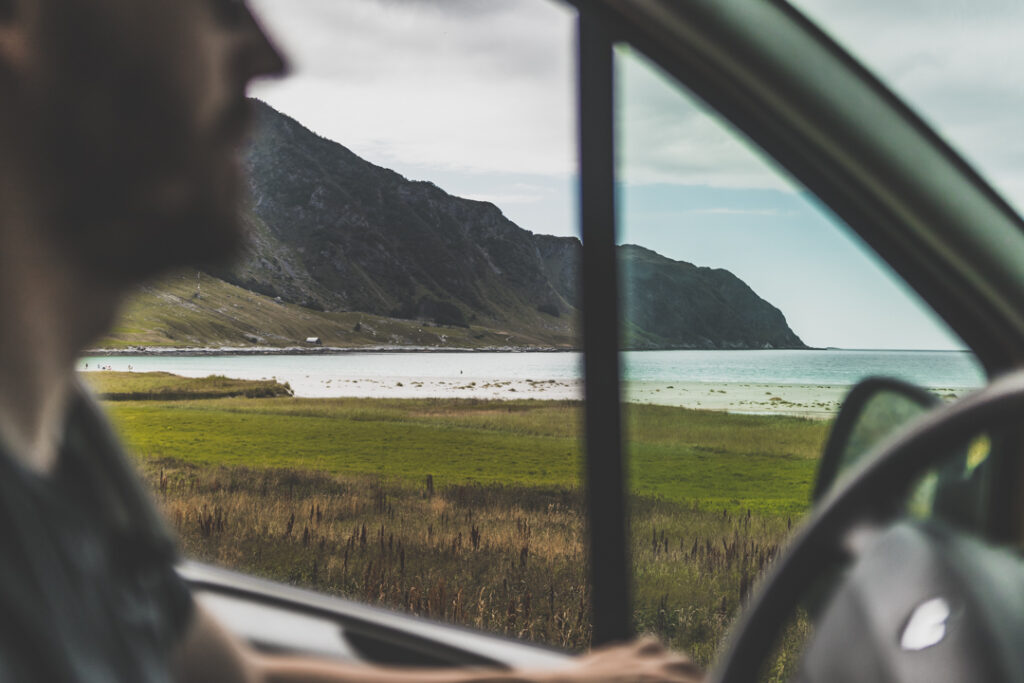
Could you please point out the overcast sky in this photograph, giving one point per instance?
(478, 97)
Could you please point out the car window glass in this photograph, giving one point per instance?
(958, 63)
(399, 422)
(749, 311)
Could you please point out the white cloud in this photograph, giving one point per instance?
(482, 87)
(488, 87)
(503, 199)
(517, 193)
(457, 85)
(958, 62)
(666, 136)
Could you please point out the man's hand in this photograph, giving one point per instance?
(644, 660)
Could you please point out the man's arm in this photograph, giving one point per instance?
(210, 653)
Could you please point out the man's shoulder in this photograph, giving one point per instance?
(87, 578)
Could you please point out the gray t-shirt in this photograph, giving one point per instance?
(87, 586)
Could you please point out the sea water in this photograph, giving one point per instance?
(831, 367)
(554, 375)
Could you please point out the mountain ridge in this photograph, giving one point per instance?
(340, 237)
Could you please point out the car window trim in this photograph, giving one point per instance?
(605, 475)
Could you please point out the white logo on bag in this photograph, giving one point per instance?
(926, 626)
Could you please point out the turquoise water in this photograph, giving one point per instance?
(439, 373)
(831, 367)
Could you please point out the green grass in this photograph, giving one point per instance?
(221, 433)
(717, 460)
(332, 494)
(146, 386)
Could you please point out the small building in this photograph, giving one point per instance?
(315, 341)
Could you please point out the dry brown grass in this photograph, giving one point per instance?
(509, 560)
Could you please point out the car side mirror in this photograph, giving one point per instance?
(874, 409)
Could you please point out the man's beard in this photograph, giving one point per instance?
(133, 203)
(148, 231)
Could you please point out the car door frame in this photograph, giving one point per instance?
(845, 136)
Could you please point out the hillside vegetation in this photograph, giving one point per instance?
(175, 313)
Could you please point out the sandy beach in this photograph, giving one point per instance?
(798, 400)
(801, 400)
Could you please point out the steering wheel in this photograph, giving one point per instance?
(845, 526)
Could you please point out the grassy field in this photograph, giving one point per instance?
(163, 386)
(735, 462)
(471, 511)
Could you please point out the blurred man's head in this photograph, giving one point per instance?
(124, 119)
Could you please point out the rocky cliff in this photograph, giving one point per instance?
(333, 232)
(674, 304)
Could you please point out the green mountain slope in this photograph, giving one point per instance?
(175, 312)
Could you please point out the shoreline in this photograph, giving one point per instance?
(808, 401)
(812, 401)
(313, 350)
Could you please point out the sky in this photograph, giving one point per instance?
(478, 97)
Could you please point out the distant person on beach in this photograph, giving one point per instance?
(120, 124)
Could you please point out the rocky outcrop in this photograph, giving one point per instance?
(674, 304)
